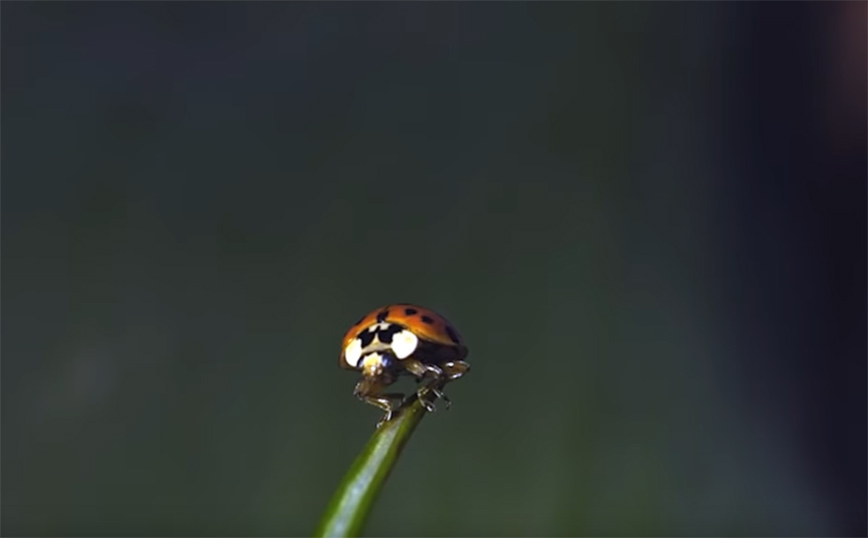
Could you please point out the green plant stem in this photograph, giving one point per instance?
(349, 508)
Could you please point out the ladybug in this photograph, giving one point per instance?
(400, 339)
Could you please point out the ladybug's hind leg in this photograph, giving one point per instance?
(438, 393)
(439, 376)
(447, 372)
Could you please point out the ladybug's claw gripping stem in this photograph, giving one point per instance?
(422, 395)
(386, 418)
(439, 394)
(426, 403)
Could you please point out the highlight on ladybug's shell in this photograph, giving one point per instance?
(403, 339)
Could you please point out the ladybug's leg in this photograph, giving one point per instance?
(419, 370)
(455, 369)
(422, 395)
(439, 393)
(434, 386)
(415, 367)
(450, 370)
(371, 392)
(384, 402)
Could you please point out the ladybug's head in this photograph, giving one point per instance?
(378, 371)
(377, 364)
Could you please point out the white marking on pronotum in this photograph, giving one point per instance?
(353, 352)
(404, 344)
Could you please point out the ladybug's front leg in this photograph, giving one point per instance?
(371, 392)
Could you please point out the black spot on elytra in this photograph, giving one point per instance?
(410, 311)
(426, 319)
(385, 335)
(381, 317)
(452, 334)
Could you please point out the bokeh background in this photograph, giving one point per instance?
(647, 219)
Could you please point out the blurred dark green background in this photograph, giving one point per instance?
(647, 219)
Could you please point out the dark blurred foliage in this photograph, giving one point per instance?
(647, 219)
